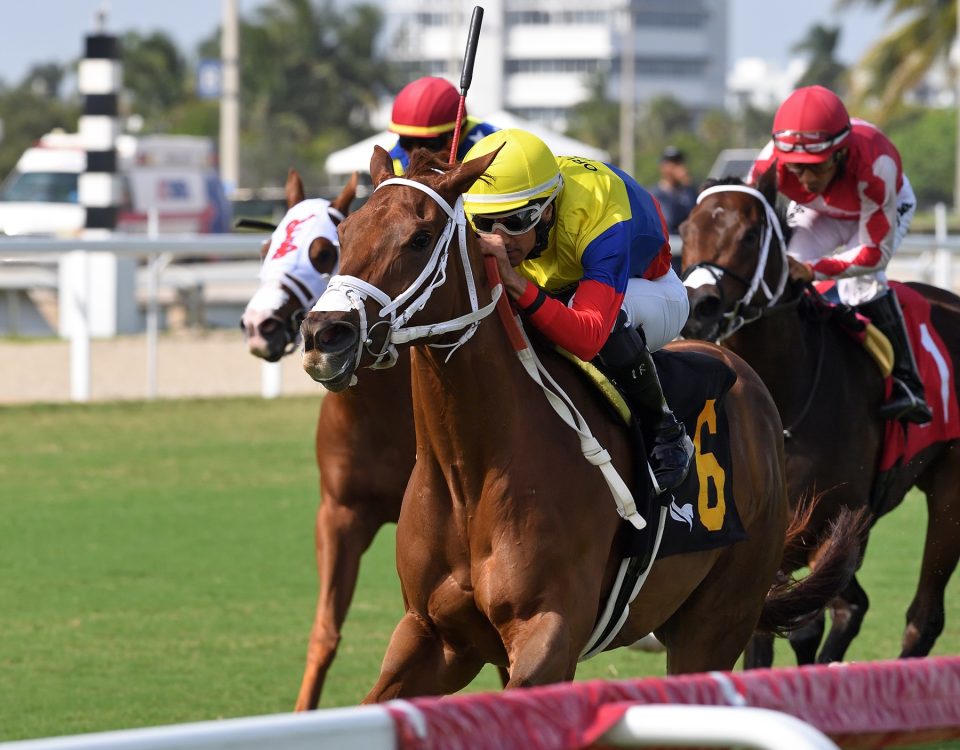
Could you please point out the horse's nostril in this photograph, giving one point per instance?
(269, 326)
(707, 308)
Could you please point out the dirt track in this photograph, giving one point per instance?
(190, 364)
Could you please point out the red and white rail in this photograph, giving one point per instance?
(867, 705)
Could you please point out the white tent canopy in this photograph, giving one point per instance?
(357, 157)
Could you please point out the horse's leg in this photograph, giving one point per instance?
(417, 663)
(342, 536)
(925, 616)
(847, 612)
(540, 650)
(806, 640)
(714, 624)
(759, 652)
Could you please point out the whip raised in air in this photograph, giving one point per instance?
(466, 75)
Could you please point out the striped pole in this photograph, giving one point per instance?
(99, 83)
(97, 294)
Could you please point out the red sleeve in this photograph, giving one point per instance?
(583, 328)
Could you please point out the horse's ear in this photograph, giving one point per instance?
(342, 202)
(381, 166)
(767, 184)
(461, 179)
(293, 190)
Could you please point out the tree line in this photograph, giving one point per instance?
(312, 75)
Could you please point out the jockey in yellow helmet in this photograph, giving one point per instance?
(584, 253)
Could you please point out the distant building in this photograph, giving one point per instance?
(537, 58)
(761, 83)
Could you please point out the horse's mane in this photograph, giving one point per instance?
(423, 161)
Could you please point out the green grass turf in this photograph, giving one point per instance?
(156, 567)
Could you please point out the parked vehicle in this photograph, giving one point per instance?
(733, 162)
(173, 175)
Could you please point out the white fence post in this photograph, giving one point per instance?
(271, 379)
(943, 257)
(75, 296)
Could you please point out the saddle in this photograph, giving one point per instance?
(902, 442)
(702, 511)
(824, 303)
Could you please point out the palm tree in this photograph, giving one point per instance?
(897, 62)
(820, 46)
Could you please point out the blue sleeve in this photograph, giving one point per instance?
(400, 155)
(647, 232)
(607, 258)
(475, 134)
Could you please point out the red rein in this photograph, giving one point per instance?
(504, 310)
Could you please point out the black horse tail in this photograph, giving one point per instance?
(791, 603)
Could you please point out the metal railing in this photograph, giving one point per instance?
(928, 258)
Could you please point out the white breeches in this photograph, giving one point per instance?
(816, 235)
(660, 306)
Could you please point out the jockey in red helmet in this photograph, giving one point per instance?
(425, 116)
(851, 205)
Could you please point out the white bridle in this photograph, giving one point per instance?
(345, 293)
(701, 276)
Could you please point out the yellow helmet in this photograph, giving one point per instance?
(523, 171)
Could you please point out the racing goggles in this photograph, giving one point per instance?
(516, 222)
(816, 144)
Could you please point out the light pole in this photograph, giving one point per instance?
(956, 84)
(230, 99)
(628, 93)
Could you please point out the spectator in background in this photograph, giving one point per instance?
(425, 115)
(674, 191)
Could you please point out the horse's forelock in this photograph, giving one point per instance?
(711, 182)
(779, 206)
(424, 162)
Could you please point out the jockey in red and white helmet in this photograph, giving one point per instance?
(851, 206)
(425, 116)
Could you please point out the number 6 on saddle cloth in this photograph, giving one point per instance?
(702, 510)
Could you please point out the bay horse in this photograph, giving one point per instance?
(507, 541)
(828, 393)
(364, 438)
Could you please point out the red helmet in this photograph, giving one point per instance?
(810, 126)
(425, 108)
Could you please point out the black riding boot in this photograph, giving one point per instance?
(627, 358)
(907, 400)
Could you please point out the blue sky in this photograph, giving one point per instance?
(757, 27)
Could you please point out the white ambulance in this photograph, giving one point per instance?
(173, 175)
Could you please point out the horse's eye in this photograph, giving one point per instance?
(421, 240)
(751, 236)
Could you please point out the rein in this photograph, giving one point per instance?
(345, 293)
(743, 312)
(789, 430)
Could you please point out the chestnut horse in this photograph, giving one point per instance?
(364, 438)
(503, 558)
(828, 392)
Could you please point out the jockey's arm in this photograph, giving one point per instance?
(583, 327)
(878, 218)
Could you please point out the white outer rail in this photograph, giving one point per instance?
(157, 250)
(371, 728)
